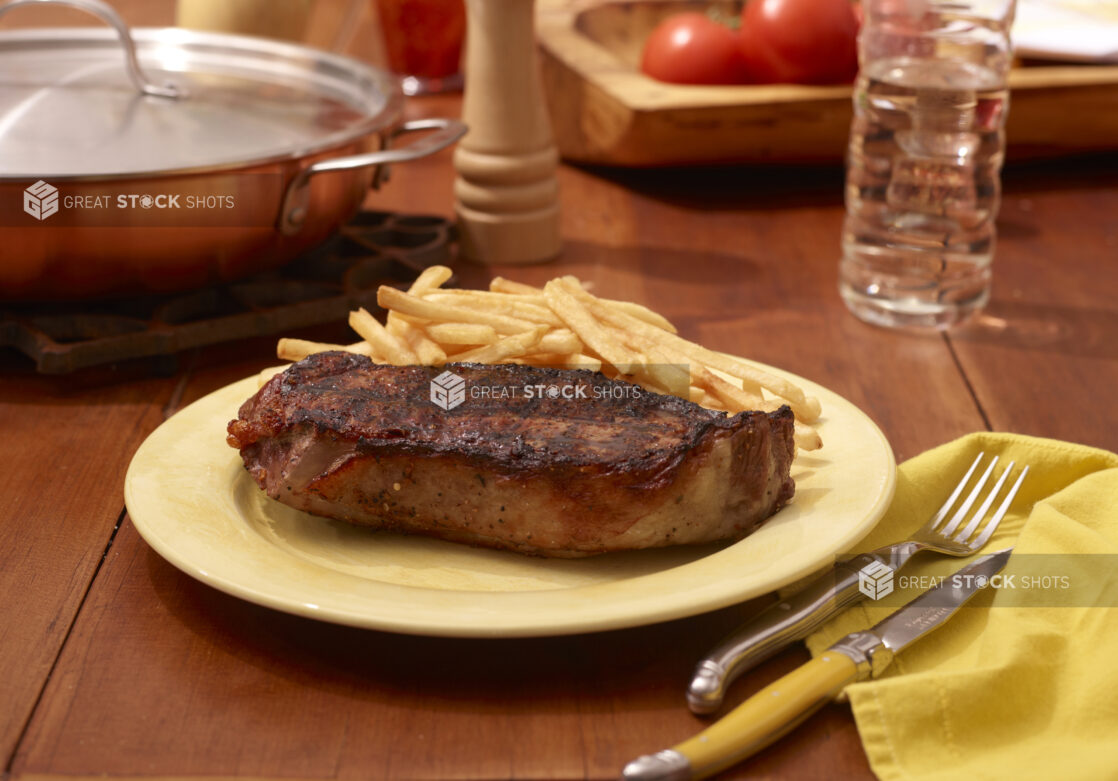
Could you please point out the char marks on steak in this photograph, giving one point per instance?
(597, 465)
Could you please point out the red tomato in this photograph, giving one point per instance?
(800, 41)
(692, 48)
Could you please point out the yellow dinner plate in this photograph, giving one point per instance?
(190, 497)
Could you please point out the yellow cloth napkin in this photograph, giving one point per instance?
(1017, 687)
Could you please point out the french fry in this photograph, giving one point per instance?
(559, 360)
(450, 295)
(298, 349)
(391, 347)
(641, 313)
(397, 325)
(580, 361)
(588, 329)
(674, 376)
(502, 285)
(397, 300)
(806, 437)
(525, 310)
(405, 329)
(454, 350)
(408, 321)
(513, 346)
(461, 333)
(561, 340)
(428, 352)
(431, 278)
(733, 398)
(628, 307)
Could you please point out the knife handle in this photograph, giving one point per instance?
(764, 717)
(774, 628)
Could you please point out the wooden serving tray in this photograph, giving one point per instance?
(605, 111)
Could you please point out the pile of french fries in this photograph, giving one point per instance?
(561, 325)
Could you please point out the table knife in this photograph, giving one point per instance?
(781, 706)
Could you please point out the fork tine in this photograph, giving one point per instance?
(939, 516)
(989, 530)
(956, 519)
(980, 513)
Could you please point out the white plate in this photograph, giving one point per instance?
(189, 496)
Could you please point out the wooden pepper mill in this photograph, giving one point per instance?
(506, 194)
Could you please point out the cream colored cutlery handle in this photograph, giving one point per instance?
(764, 717)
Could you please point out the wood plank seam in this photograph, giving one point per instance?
(10, 760)
(966, 381)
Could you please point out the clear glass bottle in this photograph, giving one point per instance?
(924, 162)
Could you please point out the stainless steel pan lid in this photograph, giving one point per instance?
(70, 108)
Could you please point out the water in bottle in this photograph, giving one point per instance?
(922, 189)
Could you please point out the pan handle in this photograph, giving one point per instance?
(296, 198)
(106, 14)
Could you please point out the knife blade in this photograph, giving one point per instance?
(781, 706)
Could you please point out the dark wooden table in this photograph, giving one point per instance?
(113, 663)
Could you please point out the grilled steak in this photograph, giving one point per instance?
(543, 461)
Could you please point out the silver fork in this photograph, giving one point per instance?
(796, 617)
